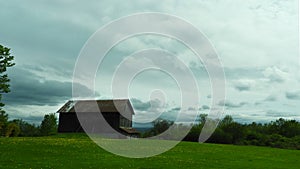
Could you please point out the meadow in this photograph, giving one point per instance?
(78, 151)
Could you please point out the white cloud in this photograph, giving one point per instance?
(274, 74)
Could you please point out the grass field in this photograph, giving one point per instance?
(78, 151)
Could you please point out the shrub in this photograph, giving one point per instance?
(12, 130)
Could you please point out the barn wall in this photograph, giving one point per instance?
(68, 122)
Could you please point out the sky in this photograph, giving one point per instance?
(257, 43)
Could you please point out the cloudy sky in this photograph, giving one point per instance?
(257, 43)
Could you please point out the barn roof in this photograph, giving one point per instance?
(112, 106)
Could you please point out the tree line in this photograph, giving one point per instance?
(19, 127)
(281, 133)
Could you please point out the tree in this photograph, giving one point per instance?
(159, 126)
(236, 131)
(49, 125)
(3, 121)
(287, 128)
(194, 133)
(226, 120)
(5, 62)
(202, 118)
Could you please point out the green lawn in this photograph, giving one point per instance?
(78, 151)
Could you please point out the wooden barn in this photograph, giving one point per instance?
(117, 113)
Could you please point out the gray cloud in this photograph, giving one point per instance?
(171, 114)
(293, 95)
(151, 105)
(51, 72)
(230, 104)
(271, 98)
(152, 109)
(242, 87)
(205, 107)
(257, 103)
(277, 114)
(249, 72)
(139, 105)
(30, 119)
(177, 109)
(191, 108)
(29, 89)
(243, 84)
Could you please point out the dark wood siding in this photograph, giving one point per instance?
(68, 122)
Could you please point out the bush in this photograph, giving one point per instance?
(12, 130)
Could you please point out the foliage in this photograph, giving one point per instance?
(280, 133)
(12, 130)
(27, 129)
(193, 135)
(49, 125)
(3, 122)
(159, 126)
(18, 127)
(6, 60)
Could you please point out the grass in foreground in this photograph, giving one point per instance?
(78, 151)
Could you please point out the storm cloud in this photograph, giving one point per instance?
(29, 89)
